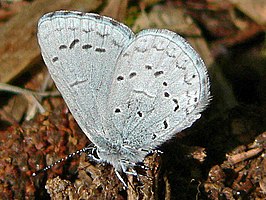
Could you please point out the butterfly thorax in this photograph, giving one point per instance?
(122, 157)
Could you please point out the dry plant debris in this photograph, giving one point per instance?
(230, 36)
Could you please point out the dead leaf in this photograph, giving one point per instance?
(256, 10)
(19, 48)
(116, 9)
(174, 18)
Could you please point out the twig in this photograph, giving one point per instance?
(15, 89)
(243, 156)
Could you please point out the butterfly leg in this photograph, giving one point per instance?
(152, 151)
(126, 165)
(120, 178)
(131, 171)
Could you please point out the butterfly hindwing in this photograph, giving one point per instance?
(159, 88)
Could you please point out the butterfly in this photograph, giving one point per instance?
(128, 93)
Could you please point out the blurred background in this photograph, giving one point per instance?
(222, 156)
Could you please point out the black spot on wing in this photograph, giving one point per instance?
(86, 46)
(102, 35)
(125, 54)
(114, 42)
(62, 47)
(100, 50)
(166, 94)
(158, 73)
(139, 114)
(186, 80)
(55, 59)
(158, 48)
(73, 43)
(176, 103)
(148, 67)
(131, 75)
(117, 110)
(120, 78)
(165, 124)
(171, 55)
(181, 66)
(87, 30)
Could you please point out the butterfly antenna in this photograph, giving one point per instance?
(85, 149)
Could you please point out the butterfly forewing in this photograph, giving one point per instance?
(80, 51)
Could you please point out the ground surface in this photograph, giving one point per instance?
(222, 156)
